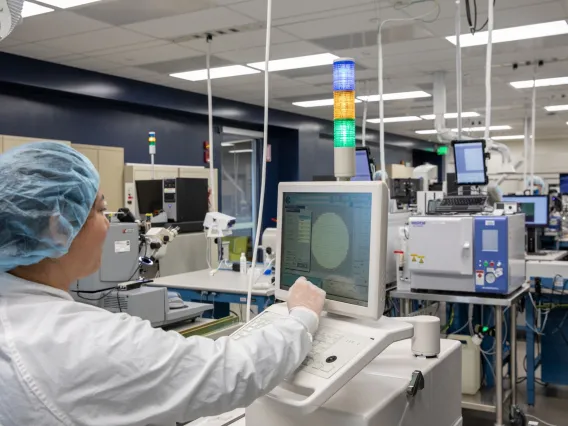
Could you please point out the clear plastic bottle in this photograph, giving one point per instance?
(243, 264)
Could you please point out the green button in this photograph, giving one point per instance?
(485, 263)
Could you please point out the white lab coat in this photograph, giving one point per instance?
(64, 362)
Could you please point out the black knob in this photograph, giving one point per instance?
(331, 359)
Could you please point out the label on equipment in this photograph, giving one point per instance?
(122, 246)
(480, 277)
(169, 190)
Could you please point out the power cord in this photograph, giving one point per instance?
(472, 21)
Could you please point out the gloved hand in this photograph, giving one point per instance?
(305, 302)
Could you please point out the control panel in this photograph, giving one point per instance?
(170, 206)
(491, 262)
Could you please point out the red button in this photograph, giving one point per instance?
(492, 264)
(479, 275)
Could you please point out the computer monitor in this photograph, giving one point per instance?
(564, 184)
(149, 196)
(335, 235)
(362, 165)
(535, 208)
(469, 157)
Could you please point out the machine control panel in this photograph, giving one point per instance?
(491, 254)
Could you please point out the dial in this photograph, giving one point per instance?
(490, 277)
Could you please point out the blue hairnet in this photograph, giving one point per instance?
(47, 190)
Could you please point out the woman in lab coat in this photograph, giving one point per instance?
(64, 362)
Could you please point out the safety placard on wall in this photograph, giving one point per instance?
(122, 246)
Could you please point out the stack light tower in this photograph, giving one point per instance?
(344, 127)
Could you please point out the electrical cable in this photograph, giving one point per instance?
(401, 421)
(264, 151)
(490, 365)
(540, 420)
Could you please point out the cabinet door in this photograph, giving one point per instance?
(111, 170)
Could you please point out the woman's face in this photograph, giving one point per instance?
(84, 256)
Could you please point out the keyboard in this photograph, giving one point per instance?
(462, 204)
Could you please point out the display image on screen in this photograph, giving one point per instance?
(470, 163)
(362, 170)
(326, 238)
(535, 208)
(564, 183)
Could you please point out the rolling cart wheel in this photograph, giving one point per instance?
(517, 417)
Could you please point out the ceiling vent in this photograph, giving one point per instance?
(221, 32)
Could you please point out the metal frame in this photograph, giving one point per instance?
(483, 400)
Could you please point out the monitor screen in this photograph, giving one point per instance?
(362, 166)
(326, 237)
(149, 196)
(564, 183)
(470, 162)
(535, 208)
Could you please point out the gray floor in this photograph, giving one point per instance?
(551, 402)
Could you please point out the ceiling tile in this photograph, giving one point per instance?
(191, 23)
(96, 40)
(278, 51)
(146, 55)
(53, 25)
(125, 12)
(240, 41)
(94, 64)
(34, 50)
(186, 64)
(127, 48)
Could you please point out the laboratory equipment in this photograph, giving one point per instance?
(218, 224)
(10, 16)
(467, 253)
(426, 201)
(185, 199)
(428, 173)
(563, 183)
(536, 210)
(469, 157)
(394, 243)
(404, 190)
(363, 171)
(157, 239)
(471, 364)
(344, 127)
(148, 197)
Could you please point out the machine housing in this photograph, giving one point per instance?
(467, 253)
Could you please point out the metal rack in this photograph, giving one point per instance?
(487, 400)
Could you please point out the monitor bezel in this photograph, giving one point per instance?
(484, 146)
(560, 184)
(377, 249)
(528, 225)
(368, 152)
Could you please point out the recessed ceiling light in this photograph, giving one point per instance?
(64, 4)
(466, 129)
(221, 72)
(395, 119)
(227, 144)
(553, 108)
(318, 103)
(507, 138)
(240, 151)
(294, 63)
(524, 32)
(32, 9)
(450, 115)
(543, 82)
(395, 96)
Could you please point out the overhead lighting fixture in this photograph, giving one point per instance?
(232, 143)
(396, 96)
(227, 144)
(465, 129)
(32, 9)
(64, 4)
(295, 63)
(220, 72)
(240, 151)
(395, 119)
(507, 138)
(318, 103)
(554, 108)
(450, 115)
(524, 32)
(543, 82)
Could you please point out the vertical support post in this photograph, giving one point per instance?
(513, 355)
(499, 365)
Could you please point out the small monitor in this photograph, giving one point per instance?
(535, 208)
(149, 195)
(469, 157)
(564, 184)
(362, 165)
(335, 235)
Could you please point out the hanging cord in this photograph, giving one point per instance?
(490, 20)
(264, 149)
(459, 85)
(533, 130)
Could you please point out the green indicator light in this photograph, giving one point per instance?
(442, 150)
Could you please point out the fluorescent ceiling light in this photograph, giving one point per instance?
(543, 82)
(232, 143)
(64, 4)
(240, 151)
(524, 32)
(318, 103)
(466, 129)
(507, 138)
(32, 9)
(221, 72)
(227, 144)
(396, 96)
(553, 108)
(294, 63)
(395, 119)
(450, 115)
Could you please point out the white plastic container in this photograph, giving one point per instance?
(243, 264)
(471, 364)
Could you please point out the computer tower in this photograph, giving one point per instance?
(185, 199)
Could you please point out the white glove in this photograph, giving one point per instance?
(305, 302)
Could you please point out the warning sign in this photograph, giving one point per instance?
(417, 258)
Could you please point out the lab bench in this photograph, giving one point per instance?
(487, 399)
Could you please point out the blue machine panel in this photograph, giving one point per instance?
(491, 254)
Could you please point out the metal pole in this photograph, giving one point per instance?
(499, 365)
(526, 151)
(459, 67)
(406, 307)
(513, 342)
